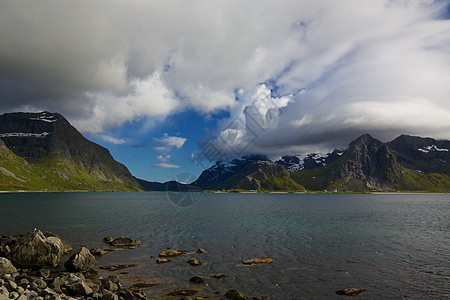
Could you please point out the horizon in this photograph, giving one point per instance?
(160, 84)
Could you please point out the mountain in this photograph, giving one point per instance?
(43, 151)
(172, 186)
(253, 172)
(406, 163)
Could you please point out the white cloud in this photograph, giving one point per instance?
(379, 66)
(165, 165)
(167, 142)
(112, 140)
(163, 158)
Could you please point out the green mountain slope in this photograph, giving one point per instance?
(44, 152)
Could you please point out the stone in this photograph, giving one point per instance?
(41, 284)
(82, 260)
(201, 251)
(4, 292)
(109, 285)
(350, 291)
(198, 279)
(235, 295)
(171, 253)
(142, 285)
(219, 275)
(35, 250)
(194, 262)
(107, 239)
(45, 273)
(258, 260)
(6, 267)
(109, 296)
(124, 241)
(12, 284)
(14, 295)
(182, 293)
(98, 252)
(80, 289)
(162, 260)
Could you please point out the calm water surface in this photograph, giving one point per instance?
(397, 246)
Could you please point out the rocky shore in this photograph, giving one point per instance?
(31, 268)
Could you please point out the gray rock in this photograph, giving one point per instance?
(82, 260)
(41, 284)
(109, 285)
(34, 249)
(235, 295)
(14, 295)
(20, 290)
(12, 285)
(80, 289)
(4, 292)
(6, 266)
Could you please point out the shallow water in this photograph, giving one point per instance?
(393, 245)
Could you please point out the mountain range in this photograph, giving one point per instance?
(43, 151)
(407, 163)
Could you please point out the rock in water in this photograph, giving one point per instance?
(82, 260)
(124, 241)
(35, 250)
(235, 295)
(350, 291)
(258, 260)
(195, 262)
(171, 253)
(108, 239)
(6, 267)
(198, 279)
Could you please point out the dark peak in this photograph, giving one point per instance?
(364, 141)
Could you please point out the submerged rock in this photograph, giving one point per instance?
(195, 262)
(350, 291)
(235, 295)
(182, 293)
(117, 267)
(98, 252)
(258, 260)
(219, 275)
(162, 260)
(82, 260)
(34, 250)
(197, 279)
(171, 253)
(124, 241)
(108, 239)
(6, 266)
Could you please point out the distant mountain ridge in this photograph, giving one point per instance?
(43, 151)
(406, 163)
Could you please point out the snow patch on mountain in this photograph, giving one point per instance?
(24, 134)
(432, 148)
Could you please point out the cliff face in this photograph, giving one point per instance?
(60, 156)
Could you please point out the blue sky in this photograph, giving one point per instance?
(156, 81)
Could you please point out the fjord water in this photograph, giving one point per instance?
(394, 245)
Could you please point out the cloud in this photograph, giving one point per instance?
(165, 165)
(333, 70)
(169, 142)
(112, 140)
(163, 158)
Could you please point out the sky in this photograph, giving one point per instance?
(171, 86)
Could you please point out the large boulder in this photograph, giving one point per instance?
(82, 260)
(6, 267)
(34, 249)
